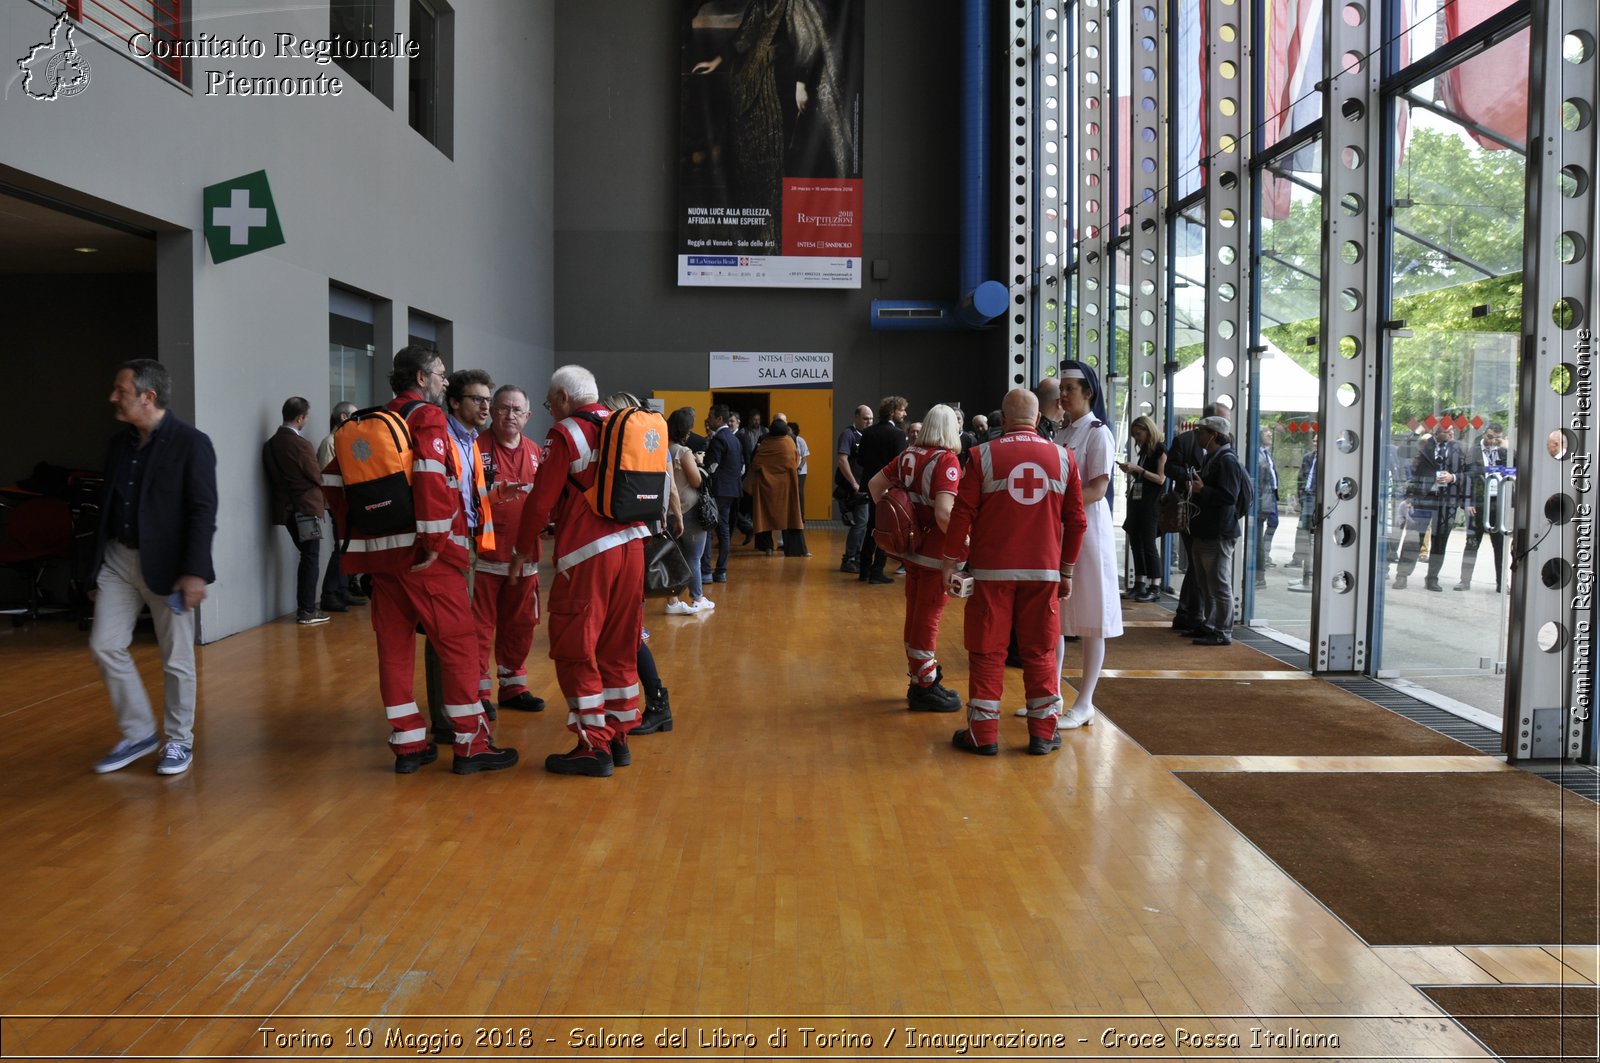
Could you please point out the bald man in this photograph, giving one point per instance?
(1021, 503)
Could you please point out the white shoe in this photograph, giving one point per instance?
(1078, 716)
(1022, 711)
(679, 607)
(704, 604)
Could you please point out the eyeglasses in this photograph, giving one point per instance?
(510, 411)
(480, 400)
(546, 405)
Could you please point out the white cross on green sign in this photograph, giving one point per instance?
(240, 218)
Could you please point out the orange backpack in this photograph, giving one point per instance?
(631, 466)
(374, 450)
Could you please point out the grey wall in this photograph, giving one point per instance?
(618, 307)
(364, 200)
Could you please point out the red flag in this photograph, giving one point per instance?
(1489, 90)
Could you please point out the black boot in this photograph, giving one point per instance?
(657, 713)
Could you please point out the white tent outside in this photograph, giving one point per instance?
(1285, 387)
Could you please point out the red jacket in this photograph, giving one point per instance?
(507, 465)
(1021, 500)
(570, 453)
(435, 496)
(926, 473)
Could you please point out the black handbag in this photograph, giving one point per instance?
(666, 573)
(705, 510)
(307, 527)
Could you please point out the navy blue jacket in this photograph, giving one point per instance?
(177, 504)
(727, 455)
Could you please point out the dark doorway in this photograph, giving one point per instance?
(742, 402)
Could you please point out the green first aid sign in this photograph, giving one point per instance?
(240, 218)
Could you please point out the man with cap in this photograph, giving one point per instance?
(1219, 492)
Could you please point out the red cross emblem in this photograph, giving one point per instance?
(1027, 484)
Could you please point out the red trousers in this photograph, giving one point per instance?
(925, 598)
(436, 598)
(990, 612)
(596, 614)
(506, 615)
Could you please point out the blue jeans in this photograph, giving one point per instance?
(693, 544)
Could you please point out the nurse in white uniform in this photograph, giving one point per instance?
(1094, 612)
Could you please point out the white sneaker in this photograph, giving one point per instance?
(679, 607)
(1081, 716)
(704, 604)
(1022, 711)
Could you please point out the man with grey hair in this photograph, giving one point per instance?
(419, 577)
(597, 597)
(1220, 492)
(153, 549)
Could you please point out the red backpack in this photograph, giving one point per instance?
(894, 525)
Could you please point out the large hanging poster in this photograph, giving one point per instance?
(769, 181)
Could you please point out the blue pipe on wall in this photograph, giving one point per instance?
(982, 300)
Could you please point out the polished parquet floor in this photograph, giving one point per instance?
(799, 853)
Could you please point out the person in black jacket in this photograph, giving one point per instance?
(1435, 495)
(880, 445)
(157, 519)
(1217, 491)
(725, 467)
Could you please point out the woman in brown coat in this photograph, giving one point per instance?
(773, 481)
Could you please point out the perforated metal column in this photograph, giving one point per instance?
(1226, 179)
(1024, 315)
(1227, 176)
(1550, 682)
(1147, 315)
(1096, 111)
(1344, 548)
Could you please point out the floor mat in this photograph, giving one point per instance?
(1227, 717)
(1159, 647)
(1534, 1024)
(1426, 858)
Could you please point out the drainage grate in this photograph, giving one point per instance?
(1448, 724)
(1272, 648)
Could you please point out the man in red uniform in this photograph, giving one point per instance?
(419, 578)
(597, 599)
(507, 612)
(930, 472)
(1021, 501)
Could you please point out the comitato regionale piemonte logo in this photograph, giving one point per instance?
(55, 69)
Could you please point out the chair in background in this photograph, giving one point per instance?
(39, 533)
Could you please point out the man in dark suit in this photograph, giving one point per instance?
(1485, 506)
(296, 482)
(157, 518)
(725, 466)
(1435, 496)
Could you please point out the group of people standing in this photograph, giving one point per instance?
(1022, 510)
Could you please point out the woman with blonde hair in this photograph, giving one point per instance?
(1146, 477)
(930, 472)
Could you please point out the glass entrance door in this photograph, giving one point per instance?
(1446, 483)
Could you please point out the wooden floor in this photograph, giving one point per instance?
(800, 852)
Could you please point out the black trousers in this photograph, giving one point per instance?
(306, 577)
(1437, 520)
